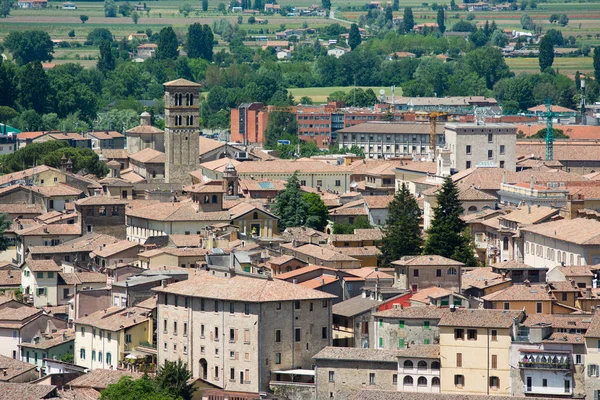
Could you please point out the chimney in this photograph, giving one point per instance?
(527, 283)
(294, 281)
(531, 182)
(145, 119)
(163, 283)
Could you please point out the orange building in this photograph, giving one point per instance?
(248, 123)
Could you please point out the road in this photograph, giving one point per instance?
(332, 16)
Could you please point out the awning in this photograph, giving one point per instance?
(303, 372)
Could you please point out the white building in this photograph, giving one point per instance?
(569, 241)
(39, 282)
(337, 52)
(473, 144)
(419, 369)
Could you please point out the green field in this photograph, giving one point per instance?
(319, 94)
(565, 65)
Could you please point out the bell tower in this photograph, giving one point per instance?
(230, 181)
(182, 119)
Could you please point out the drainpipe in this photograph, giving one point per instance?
(488, 360)
(260, 367)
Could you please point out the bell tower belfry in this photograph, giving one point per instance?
(182, 122)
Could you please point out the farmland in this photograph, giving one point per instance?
(319, 94)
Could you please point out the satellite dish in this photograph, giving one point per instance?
(382, 92)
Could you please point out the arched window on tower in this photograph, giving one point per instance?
(191, 99)
(191, 120)
(187, 99)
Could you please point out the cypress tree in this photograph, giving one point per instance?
(167, 44)
(290, 206)
(546, 57)
(441, 20)
(402, 234)
(354, 38)
(409, 20)
(597, 63)
(448, 235)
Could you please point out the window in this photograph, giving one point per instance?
(100, 356)
(338, 183)
(490, 154)
(490, 137)
(324, 304)
(494, 382)
(187, 302)
(538, 308)
(247, 309)
(108, 336)
(93, 355)
(452, 271)
(232, 374)
(279, 305)
(494, 361)
(165, 326)
(277, 358)
(416, 273)
(127, 338)
(494, 335)
(438, 272)
(201, 331)
(331, 376)
(277, 336)
(459, 359)
(216, 372)
(231, 307)
(468, 149)
(567, 386)
(40, 275)
(324, 334)
(401, 343)
(459, 380)
(395, 379)
(185, 329)
(578, 359)
(216, 333)
(232, 335)
(407, 381)
(216, 305)
(564, 296)
(472, 334)
(468, 164)
(202, 305)
(232, 354)
(371, 378)
(380, 342)
(176, 301)
(544, 382)
(82, 354)
(426, 325)
(41, 291)
(380, 321)
(422, 381)
(302, 183)
(50, 274)
(297, 305)
(175, 328)
(501, 163)
(507, 306)
(501, 149)
(459, 334)
(297, 335)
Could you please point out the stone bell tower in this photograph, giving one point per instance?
(182, 119)
(230, 181)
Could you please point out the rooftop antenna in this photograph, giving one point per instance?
(583, 116)
(549, 132)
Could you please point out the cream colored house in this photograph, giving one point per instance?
(475, 351)
(235, 330)
(103, 338)
(172, 257)
(39, 282)
(592, 359)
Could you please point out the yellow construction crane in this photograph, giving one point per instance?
(433, 117)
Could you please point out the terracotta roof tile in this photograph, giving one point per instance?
(301, 271)
(424, 295)
(26, 391)
(575, 270)
(480, 318)
(529, 215)
(43, 265)
(580, 230)
(481, 278)
(54, 339)
(114, 248)
(100, 200)
(52, 229)
(521, 293)
(149, 155)
(183, 211)
(115, 318)
(241, 288)
(429, 313)
(378, 202)
(318, 252)
(426, 260)
(357, 354)
(101, 378)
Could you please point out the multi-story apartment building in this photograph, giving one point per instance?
(475, 144)
(102, 338)
(382, 140)
(421, 272)
(475, 351)
(235, 330)
(398, 328)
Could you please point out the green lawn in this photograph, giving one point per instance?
(319, 94)
(567, 66)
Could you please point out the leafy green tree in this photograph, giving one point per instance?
(290, 206)
(135, 17)
(125, 9)
(173, 379)
(546, 56)
(553, 18)
(106, 60)
(167, 44)
(409, 19)
(83, 159)
(317, 214)
(83, 19)
(279, 125)
(596, 63)
(5, 223)
(360, 222)
(354, 38)
(441, 20)
(463, 26)
(541, 134)
(527, 22)
(563, 20)
(6, 114)
(98, 35)
(28, 46)
(499, 38)
(402, 234)
(195, 41)
(129, 389)
(557, 37)
(34, 87)
(71, 33)
(448, 236)
(204, 5)
(8, 83)
(185, 9)
(110, 9)
(487, 62)
(117, 120)
(5, 7)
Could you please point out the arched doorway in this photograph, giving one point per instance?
(203, 368)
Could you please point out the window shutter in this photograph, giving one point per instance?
(595, 394)
(237, 355)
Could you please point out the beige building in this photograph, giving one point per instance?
(592, 359)
(236, 331)
(172, 256)
(103, 338)
(475, 351)
(474, 145)
(419, 369)
(419, 272)
(313, 254)
(398, 328)
(145, 136)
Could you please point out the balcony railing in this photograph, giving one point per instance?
(544, 365)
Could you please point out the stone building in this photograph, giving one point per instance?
(244, 327)
(182, 119)
(102, 214)
(145, 136)
(419, 272)
(397, 328)
(343, 371)
(419, 369)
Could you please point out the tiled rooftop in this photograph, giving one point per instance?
(480, 318)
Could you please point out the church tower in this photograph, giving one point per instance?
(182, 119)
(230, 181)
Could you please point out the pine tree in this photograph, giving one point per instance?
(106, 61)
(546, 56)
(290, 206)
(354, 38)
(167, 44)
(441, 20)
(409, 20)
(448, 236)
(597, 63)
(402, 234)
